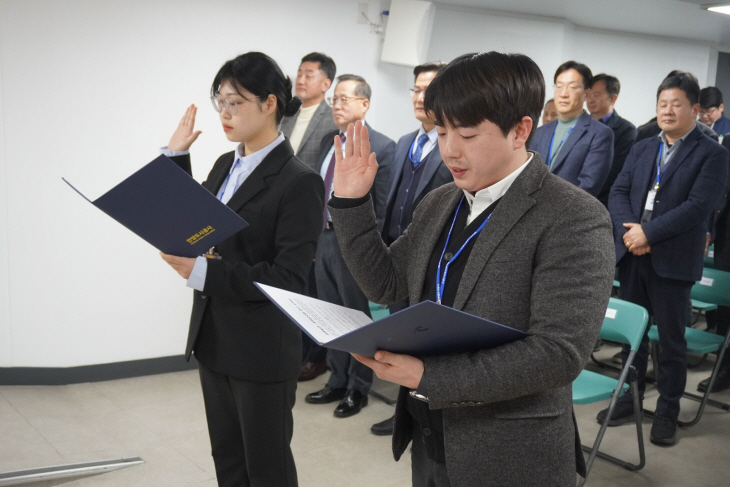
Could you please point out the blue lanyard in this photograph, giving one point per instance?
(659, 172)
(441, 282)
(550, 154)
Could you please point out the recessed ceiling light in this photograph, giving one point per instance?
(721, 8)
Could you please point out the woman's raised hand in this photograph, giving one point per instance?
(185, 134)
(355, 171)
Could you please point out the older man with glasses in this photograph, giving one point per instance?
(350, 381)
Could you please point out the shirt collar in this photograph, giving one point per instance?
(251, 161)
(607, 117)
(485, 197)
(663, 137)
(432, 135)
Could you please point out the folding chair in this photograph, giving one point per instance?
(712, 291)
(624, 323)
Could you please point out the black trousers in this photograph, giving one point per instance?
(250, 426)
(335, 284)
(424, 471)
(668, 301)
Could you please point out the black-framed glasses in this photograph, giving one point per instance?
(333, 100)
(230, 105)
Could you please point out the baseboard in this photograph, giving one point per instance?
(55, 376)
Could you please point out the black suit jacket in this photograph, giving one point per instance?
(384, 149)
(691, 188)
(247, 337)
(624, 136)
(435, 174)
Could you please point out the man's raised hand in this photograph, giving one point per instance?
(355, 171)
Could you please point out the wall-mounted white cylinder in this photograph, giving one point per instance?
(408, 32)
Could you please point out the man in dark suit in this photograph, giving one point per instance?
(417, 169)
(600, 101)
(659, 205)
(712, 110)
(314, 119)
(576, 147)
(349, 381)
(519, 242)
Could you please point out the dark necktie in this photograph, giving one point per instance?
(328, 178)
(416, 159)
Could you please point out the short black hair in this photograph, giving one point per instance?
(362, 88)
(551, 100)
(261, 76)
(613, 86)
(584, 71)
(326, 64)
(494, 86)
(710, 97)
(686, 82)
(434, 67)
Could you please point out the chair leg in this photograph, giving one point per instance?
(705, 399)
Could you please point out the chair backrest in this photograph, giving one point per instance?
(714, 287)
(624, 323)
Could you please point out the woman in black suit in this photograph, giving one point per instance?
(249, 352)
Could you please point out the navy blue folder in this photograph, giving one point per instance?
(166, 207)
(425, 329)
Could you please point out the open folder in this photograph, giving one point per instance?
(166, 207)
(424, 329)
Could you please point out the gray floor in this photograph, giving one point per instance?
(160, 418)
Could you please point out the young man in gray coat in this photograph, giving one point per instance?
(524, 248)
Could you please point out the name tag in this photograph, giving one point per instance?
(706, 281)
(611, 313)
(650, 201)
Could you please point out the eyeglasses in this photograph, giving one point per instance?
(573, 88)
(415, 92)
(709, 111)
(230, 105)
(333, 100)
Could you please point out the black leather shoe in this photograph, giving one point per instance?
(623, 413)
(384, 428)
(325, 395)
(664, 431)
(722, 381)
(351, 404)
(311, 370)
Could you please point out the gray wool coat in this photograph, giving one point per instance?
(543, 264)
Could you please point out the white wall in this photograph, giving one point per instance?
(639, 62)
(90, 89)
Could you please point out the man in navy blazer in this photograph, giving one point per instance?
(350, 381)
(575, 147)
(600, 101)
(660, 205)
(712, 110)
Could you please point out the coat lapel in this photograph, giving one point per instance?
(401, 154)
(321, 110)
(432, 164)
(219, 172)
(581, 127)
(683, 151)
(515, 203)
(427, 242)
(256, 181)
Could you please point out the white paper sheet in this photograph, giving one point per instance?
(321, 320)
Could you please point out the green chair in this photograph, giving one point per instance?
(624, 323)
(710, 292)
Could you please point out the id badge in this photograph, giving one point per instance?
(650, 201)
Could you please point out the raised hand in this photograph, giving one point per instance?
(355, 171)
(185, 134)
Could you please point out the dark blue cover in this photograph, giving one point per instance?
(426, 329)
(169, 209)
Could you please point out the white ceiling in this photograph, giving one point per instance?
(670, 18)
